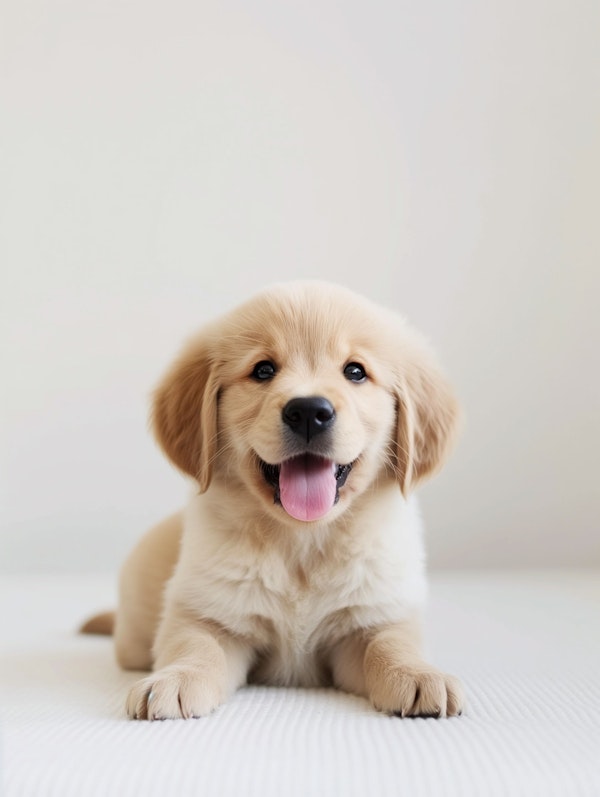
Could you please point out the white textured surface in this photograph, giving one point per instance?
(526, 645)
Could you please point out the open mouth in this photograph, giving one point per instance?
(306, 486)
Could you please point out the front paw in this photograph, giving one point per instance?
(417, 692)
(175, 692)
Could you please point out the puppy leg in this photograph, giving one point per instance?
(141, 587)
(387, 667)
(400, 682)
(198, 666)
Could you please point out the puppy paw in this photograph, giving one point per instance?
(415, 692)
(176, 692)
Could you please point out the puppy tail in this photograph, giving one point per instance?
(99, 624)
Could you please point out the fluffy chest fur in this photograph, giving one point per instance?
(294, 596)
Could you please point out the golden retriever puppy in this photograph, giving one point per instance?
(305, 418)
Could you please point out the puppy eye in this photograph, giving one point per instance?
(355, 372)
(263, 370)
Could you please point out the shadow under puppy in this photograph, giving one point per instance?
(305, 417)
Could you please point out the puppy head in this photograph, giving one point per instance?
(306, 396)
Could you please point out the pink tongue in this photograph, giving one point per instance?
(307, 486)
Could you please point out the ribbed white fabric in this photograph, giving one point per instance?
(526, 646)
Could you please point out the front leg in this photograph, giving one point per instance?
(198, 665)
(386, 665)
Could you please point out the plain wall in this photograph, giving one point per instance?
(161, 162)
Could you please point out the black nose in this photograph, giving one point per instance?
(308, 416)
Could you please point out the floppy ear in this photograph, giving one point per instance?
(428, 419)
(184, 412)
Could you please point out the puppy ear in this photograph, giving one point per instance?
(428, 420)
(184, 412)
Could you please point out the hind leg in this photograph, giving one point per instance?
(141, 587)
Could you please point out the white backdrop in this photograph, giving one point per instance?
(161, 161)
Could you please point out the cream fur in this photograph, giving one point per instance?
(234, 589)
